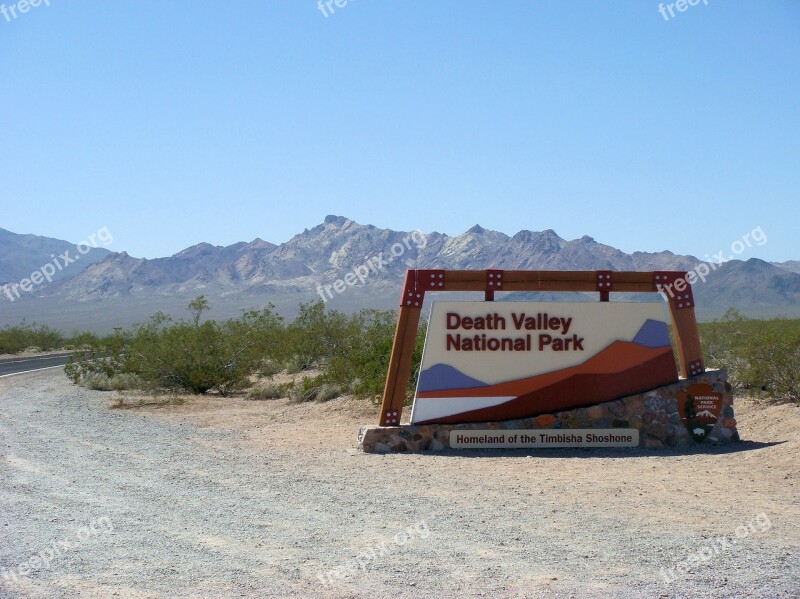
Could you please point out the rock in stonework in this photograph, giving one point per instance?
(579, 418)
(657, 430)
(653, 403)
(594, 413)
(635, 405)
(724, 432)
(545, 420)
(682, 441)
(616, 408)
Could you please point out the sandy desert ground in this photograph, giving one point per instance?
(234, 498)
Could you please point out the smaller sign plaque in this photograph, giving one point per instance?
(700, 408)
(544, 438)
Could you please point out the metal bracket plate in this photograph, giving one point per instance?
(668, 282)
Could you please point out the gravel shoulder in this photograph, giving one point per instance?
(233, 498)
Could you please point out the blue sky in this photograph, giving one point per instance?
(173, 123)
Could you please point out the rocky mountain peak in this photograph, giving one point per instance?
(332, 219)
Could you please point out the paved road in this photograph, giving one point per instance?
(11, 366)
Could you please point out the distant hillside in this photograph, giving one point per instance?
(21, 255)
(791, 265)
(120, 289)
(754, 286)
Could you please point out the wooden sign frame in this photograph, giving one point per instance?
(418, 282)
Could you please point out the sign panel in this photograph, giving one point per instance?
(490, 361)
(544, 438)
(700, 407)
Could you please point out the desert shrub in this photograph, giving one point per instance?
(192, 356)
(315, 336)
(268, 391)
(762, 356)
(126, 380)
(102, 357)
(772, 356)
(362, 367)
(293, 365)
(723, 343)
(306, 389)
(351, 353)
(98, 381)
(14, 339)
(78, 341)
(327, 392)
(269, 367)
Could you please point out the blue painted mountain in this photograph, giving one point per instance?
(653, 333)
(442, 376)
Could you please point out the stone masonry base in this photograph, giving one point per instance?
(654, 413)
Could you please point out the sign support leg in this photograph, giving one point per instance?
(687, 340)
(394, 393)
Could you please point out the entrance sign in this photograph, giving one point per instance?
(492, 361)
(521, 359)
(544, 438)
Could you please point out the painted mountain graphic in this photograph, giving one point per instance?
(653, 333)
(442, 376)
(623, 368)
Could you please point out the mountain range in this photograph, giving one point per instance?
(106, 289)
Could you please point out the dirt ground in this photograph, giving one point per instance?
(224, 497)
(706, 493)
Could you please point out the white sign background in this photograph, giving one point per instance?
(598, 323)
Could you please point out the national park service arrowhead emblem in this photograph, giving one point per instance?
(700, 407)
